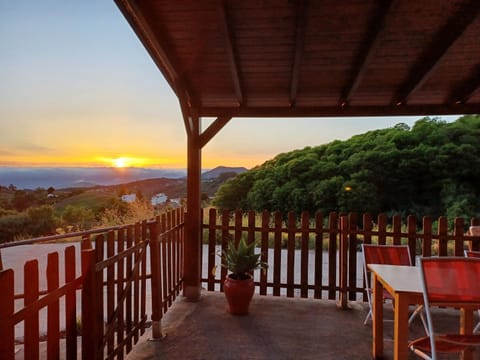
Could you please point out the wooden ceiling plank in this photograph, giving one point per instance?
(433, 55)
(231, 50)
(213, 129)
(375, 32)
(156, 46)
(299, 42)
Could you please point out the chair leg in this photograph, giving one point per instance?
(368, 317)
(419, 311)
(477, 327)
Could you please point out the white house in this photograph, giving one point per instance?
(159, 199)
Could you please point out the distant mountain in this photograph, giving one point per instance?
(216, 172)
(85, 177)
(67, 177)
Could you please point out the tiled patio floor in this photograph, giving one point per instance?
(276, 328)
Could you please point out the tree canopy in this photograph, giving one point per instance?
(432, 168)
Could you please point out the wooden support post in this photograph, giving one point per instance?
(192, 261)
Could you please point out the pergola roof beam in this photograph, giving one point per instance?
(231, 50)
(433, 55)
(157, 48)
(298, 52)
(376, 28)
(466, 90)
(213, 129)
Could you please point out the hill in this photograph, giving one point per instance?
(177, 188)
(101, 196)
(219, 170)
(430, 169)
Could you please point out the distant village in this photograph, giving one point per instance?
(157, 199)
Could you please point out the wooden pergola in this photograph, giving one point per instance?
(299, 58)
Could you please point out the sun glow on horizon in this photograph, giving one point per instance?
(120, 162)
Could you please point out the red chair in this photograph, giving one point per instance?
(388, 255)
(474, 254)
(448, 282)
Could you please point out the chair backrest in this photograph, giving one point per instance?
(384, 254)
(449, 281)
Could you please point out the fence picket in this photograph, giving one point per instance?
(136, 282)
(427, 236)
(110, 290)
(163, 245)
(412, 236)
(292, 229)
(318, 255)
(212, 218)
(225, 240)
(128, 301)
(99, 279)
(305, 239)
(277, 255)
(442, 236)
(31, 329)
(53, 309)
(238, 218)
(120, 285)
(332, 255)
(7, 307)
(352, 255)
(264, 230)
(382, 229)
(458, 233)
(396, 229)
(169, 260)
(70, 304)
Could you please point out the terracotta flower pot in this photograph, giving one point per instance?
(239, 293)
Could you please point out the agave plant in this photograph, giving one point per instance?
(241, 260)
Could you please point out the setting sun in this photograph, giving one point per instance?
(121, 162)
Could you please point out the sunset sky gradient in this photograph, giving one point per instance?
(77, 88)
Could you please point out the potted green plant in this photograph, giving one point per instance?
(239, 287)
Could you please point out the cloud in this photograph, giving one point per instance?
(31, 149)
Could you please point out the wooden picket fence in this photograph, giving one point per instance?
(115, 267)
(297, 248)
